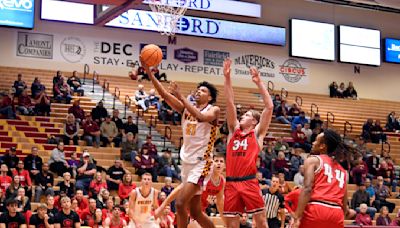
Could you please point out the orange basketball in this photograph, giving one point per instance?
(151, 55)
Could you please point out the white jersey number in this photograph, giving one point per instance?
(237, 144)
(339, 175)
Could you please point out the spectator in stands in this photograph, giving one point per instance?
(62, 91)
(386, 171)
(6, 107)
(71, 130)
(24, 177)
(360, 197)
(281, 163)
(300, 139)
(151, 148)
(191, 97)
(333, 87)
(141, 98)
(295, 161)
(167, 166)
(11, 159)
(86, 171)
(73, 163)
(307, 131)
(96, 185)
(91, 131)
(383, 219)
(220, 144)
(102, 198)
(77, 111)
(341, 90)
(33, 162)
(83, 202)
(126, 186)
(141, 72)
(130, 126)
(277, 101)
(66, 185)
(396, 220)
(293, 111)
(109, 132)
(316, 121)
(24, 203)
(52, 211)
(66, 215)
(391, 122)
(37, 87)
(44, 183)
(5, 179)
(12, 190)
(350, 92)
(118, 122)
(153, 99)
(75, 83)
(42, 102)
(115, 174)
(145, 164)
(12, 218)
(57, 161)
(284, 186)
(301, 119)
(166, 113)
(25, 104)
(366, 130)
(359, 171)
(377, 134)
(373, 163)
(156, 73)
(167, 188)
(57, 78)
(41, 219)
(382, 192)
(99, 113)
(129, 148)
(362, 217)
(19, 85)
(299, 177)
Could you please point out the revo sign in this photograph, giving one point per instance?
(19, 5)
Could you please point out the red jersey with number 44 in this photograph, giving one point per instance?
(329, 181)
(241, 154)
(211, 192)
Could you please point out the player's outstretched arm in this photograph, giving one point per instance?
(231, 116)
(310, 165)
(211, 115)
(266, 115)
(171, 197)
(168, 97)
(131, 209)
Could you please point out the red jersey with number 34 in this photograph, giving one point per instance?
(241, 154)
(329, 181)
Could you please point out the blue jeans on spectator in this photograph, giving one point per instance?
(133, 155)
(305, 146)
(78, 90)
(167, 171)
(371, 211)
(112, 186)
(282, 119)
(67, 98)
(90, 138)
(39, 191)
(83, 184)
(25, 110)
(7, 112)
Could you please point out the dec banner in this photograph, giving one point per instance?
(189, 60)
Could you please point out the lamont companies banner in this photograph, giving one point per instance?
(190, 60)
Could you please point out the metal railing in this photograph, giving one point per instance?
(348, 128)
(167, 134)
(330, 120)
(153, 123)
(106, 87)
(139, 113)
(86, 71)
(299, 100)
(314, 109)
(270, 87)
(284, 93)
(128, 102)
(95, 77)
(117, 93)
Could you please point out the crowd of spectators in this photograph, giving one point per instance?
(342, 92)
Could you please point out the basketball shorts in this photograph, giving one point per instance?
(150, 223)
(242, 196)
(198, 173)
(322, 215)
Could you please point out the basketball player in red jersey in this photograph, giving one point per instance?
(323, 199)
(245, 141)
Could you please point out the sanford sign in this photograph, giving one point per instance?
(256, 61)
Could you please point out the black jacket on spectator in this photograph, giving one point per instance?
(133, 128)
(69, 191)
(30, 160)
(358, 198)
(118, 122)
(10, 161)
(162, 162)
(391, 123)
(98, 113)
(373, 165)
(314, 123)
(44, 180)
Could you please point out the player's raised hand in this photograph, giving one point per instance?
(227, 67)
(255, 75)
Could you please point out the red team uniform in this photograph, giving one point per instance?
(325, 208)
(211, 191)
(241, 188)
